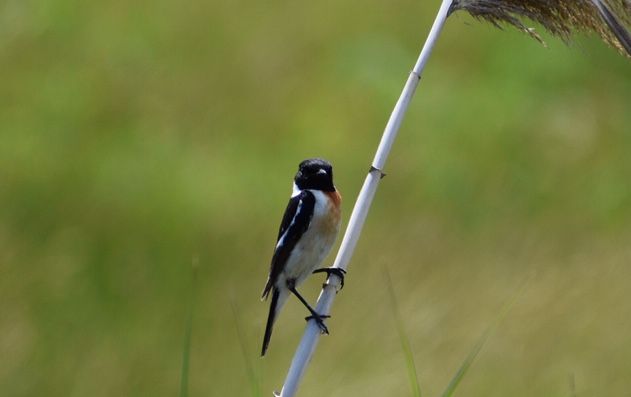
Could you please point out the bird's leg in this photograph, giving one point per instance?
(338, 271)
(314, 315)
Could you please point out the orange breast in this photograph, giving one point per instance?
(336, 200)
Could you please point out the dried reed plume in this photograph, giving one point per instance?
(607, 18)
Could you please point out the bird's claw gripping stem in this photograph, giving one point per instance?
(320, 321)
(338, 271)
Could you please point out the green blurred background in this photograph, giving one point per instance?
(136, 136)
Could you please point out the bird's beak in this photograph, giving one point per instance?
(322, 171)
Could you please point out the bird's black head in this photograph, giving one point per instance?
(315, 174)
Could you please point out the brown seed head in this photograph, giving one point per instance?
(607, 18)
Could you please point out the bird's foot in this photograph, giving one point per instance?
(333, 270)
(319, 318)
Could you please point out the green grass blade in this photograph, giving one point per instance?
(451, 388)
(186, 350)
(251, 373)
(572, 384)
(464, 367)
(405, 342)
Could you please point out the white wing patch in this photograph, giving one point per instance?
(282, 238)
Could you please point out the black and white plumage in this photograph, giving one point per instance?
(307, 233)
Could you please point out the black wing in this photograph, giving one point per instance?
(295, 223)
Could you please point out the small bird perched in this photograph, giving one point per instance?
(307, 233)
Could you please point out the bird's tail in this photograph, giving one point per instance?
(277, 302)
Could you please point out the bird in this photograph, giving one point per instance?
(306, 235)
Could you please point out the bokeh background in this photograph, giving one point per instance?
(138, 136)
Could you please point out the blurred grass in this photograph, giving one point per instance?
(136, 135)
(408, 352)
(475, 350)
(247, 355)
(188, 333)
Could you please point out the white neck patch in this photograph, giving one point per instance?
(294, 190)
